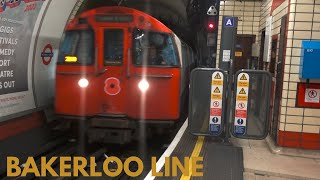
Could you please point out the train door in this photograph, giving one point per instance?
(113, 62)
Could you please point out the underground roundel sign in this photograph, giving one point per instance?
(47, 54)
(112, 86)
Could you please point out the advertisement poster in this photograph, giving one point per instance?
(17, 26)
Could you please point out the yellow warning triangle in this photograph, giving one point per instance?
(217, 90)
(217, 76)
(242, 91)
(243, 77)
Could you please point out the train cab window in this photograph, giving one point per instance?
(78, 44)
(153, 49)
(113, 46)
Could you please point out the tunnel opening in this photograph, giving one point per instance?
(186, 18)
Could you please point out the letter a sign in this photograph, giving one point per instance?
(229, 22)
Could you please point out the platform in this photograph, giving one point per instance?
(219, 161)
(263, 160)
(244, 159)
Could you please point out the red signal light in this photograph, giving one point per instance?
(211, 25)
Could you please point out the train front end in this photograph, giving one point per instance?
(117, 64)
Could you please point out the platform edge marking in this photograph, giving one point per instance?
(195, 153)
(168, 151)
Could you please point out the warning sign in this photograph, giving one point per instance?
(243, 84)
(216, 103)
(216, 96)
(241, 105)
(240, 121)
(217, 90)
(217, 82)
(241, 113)
(215, 119)
(217, 76)
(243, 77)
(215, 112)
(242, 91)
(242, 98)
(312, 96)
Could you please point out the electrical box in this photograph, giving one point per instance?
(310, 60)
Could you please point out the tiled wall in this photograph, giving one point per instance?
(248, 13)
(304, 24)
(277, 14)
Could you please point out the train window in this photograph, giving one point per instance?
(78, 43)
(153, 49)
(113, 46)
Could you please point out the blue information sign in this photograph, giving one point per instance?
(229, 22)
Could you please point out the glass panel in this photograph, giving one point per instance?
(113, 46)
(153, 49)
(79, 43)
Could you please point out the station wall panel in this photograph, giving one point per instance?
(299, 126)
(303, 24)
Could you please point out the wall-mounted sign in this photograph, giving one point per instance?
(308, 95)
(238, 54)
(216, 103)
(47, 54)
(241, 106)
(226, 55)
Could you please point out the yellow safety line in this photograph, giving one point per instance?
(195, 153)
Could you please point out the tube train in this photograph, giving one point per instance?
(118, 66)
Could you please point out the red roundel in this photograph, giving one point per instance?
(112, 86)
(47, 54)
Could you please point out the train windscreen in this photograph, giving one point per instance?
(154, 49)
(113, 46)
(77, 47)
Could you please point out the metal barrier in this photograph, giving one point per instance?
(210, 107)
(251, 104)
(207, 101)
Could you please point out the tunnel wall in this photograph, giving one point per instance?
(35, 29)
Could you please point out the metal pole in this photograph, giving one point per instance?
(228, 123)
(82, 135)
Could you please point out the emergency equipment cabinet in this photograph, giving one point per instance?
(310, 60)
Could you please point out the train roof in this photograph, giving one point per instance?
(117, 16)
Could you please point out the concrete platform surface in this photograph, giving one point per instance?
(262, 162)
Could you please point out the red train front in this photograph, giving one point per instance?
(117, 62)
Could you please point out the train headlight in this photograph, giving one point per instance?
(143, 85)
(83, 83)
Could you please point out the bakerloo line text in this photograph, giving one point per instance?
(76, 166)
